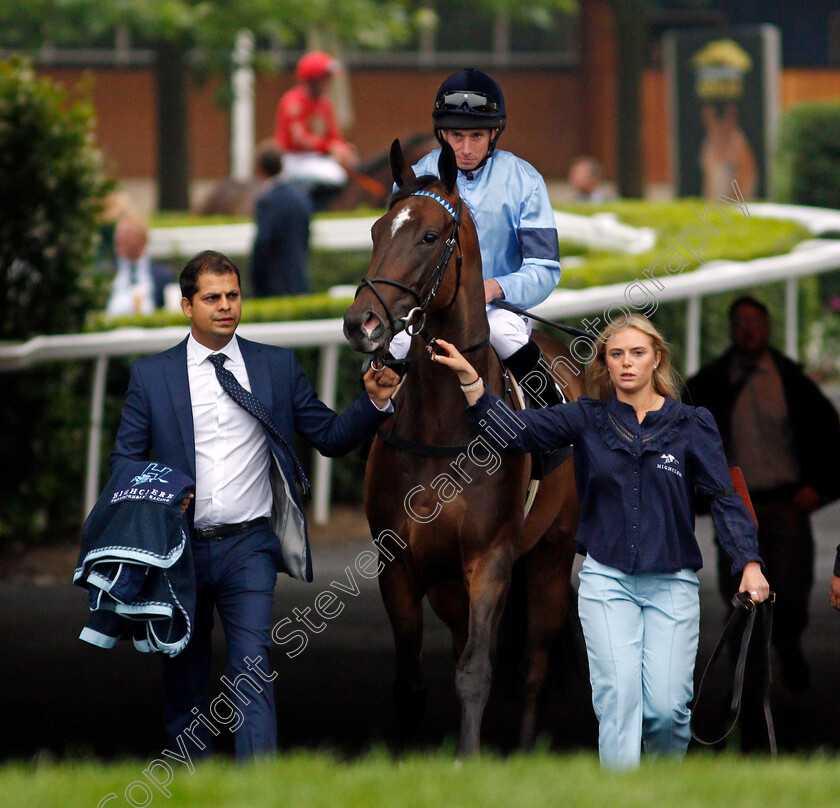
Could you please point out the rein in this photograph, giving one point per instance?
(566, 329)
(744, 615)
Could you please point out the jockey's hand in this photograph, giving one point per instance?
(344, 153)
(834, 592)
(754, 582)
(492, 290)
(807, 499)
(380, 385)
(186, 504)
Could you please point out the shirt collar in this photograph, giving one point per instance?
(628, 414)
(198, 353)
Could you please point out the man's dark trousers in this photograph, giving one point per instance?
(237, 575)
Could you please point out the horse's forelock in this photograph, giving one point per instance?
(417, 184)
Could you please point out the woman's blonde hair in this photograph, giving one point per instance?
(598, 380)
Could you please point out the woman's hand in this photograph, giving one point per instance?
(754, 582)
(834, 592)
(452, 358)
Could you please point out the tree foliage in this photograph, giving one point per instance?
(51, 184)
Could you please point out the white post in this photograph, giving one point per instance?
(97, 403)
(242, 110)
(792, 318)
(322, 484)
(692, 335)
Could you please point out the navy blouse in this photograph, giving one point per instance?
(636, 482)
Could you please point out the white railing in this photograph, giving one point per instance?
(810, 257)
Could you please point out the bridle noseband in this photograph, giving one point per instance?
(410, 320)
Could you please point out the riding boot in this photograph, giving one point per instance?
(534, 376)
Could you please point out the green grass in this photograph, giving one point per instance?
(376, 781)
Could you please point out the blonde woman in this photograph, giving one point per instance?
(639, 456)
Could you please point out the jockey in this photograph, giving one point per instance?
(509, 204)
(314, 152)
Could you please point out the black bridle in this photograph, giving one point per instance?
(432, 283)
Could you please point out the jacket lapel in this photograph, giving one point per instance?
(259, 375)
(178, 384)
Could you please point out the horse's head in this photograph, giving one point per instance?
(415, 268)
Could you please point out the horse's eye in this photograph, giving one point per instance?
(430, 238)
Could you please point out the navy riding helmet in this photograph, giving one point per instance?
(470, 99)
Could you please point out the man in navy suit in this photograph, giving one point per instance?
(247, 519)
(281, 244)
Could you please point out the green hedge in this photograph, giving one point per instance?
(808, 155)
(52, 182)
(739, 239)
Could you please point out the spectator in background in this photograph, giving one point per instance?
(585, 176)
(139, 282)
(115, 206)
(283, 212)
(785, 435)
(315, 153)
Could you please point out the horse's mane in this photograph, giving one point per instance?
(417, 184)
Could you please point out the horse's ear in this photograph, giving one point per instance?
(447, 167)
(401, 171)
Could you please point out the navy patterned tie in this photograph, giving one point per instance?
(250, 403)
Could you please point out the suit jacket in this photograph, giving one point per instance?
(157, 418)
(813, 419)
(161, 276)
(281, 245)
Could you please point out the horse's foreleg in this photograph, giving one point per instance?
(548, 568)
(405, 611)
(450, 603)
(488, 579)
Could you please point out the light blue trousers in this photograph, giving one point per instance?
(641, 636)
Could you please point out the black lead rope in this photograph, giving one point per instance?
(745, 611)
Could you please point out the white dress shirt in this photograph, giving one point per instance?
(133, 290)
(232, 454)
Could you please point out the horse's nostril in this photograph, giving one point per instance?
(371, 324)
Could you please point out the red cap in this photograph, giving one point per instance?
(315, 65)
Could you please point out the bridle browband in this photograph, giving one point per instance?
(432, 282)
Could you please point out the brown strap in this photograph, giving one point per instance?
(740, 486)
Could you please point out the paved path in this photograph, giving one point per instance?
(62, 695)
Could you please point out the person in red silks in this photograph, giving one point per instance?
(314, 152)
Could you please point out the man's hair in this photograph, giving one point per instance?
(269, 160)
(747, 300)
(207, 261)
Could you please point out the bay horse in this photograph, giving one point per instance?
(447, 508)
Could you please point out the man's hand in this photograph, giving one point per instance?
(807, 499)
(381, 385)
(186, 504)
(834, 592)
(492, 290)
